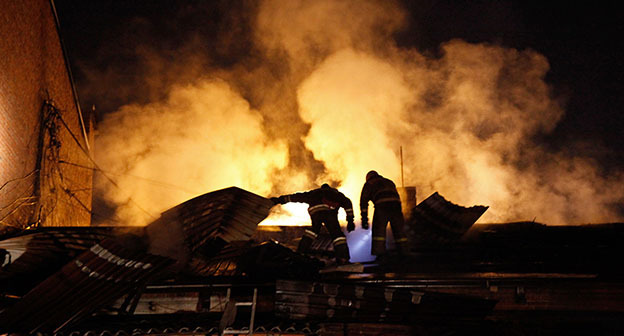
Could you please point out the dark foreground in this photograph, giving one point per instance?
(204, 268)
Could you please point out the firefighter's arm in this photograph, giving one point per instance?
(302, 197)
(279, 200)
(364, 199)
(348, 206)
(282, 199)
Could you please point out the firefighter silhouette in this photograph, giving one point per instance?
(324, 203)
(383, 193)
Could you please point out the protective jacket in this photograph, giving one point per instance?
(323, 199)
(379, 190)
(384, 195)
(324, 203)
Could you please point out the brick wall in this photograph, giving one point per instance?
(33, 71)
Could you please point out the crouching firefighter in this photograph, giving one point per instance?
(383, 193)
(324, 203)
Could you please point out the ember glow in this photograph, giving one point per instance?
(343, 102)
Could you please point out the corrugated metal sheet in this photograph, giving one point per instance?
(437, 220)
(205, 223)
(230, 214)
(34, 247)
(97, 277)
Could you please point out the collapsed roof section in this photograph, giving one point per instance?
(204, 224)
(34, 255)
(97, 277)
(437, 220)
(112, 263)
(446, 284)
(230, 214)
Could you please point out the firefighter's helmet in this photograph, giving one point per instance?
(371, 174)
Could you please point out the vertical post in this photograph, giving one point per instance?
(401, 153)
(253, 311)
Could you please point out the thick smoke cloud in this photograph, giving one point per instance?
(356, 104)
(203, 137)
(326, 95)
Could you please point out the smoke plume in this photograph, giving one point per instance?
(202, 138)
(326, 95)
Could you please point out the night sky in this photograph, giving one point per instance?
(581, 41)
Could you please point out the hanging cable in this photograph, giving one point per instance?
(85, 208)
(93, 161)
(72, 195)
(155, 182)
(22, 202)
(81, 190)
(69, 73)
(18, 179)
(49, 165)
(17, 200)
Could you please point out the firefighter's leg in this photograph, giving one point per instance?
(397, 224)
(380, 222)
(341, 249)
(310, 234)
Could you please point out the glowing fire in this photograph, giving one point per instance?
(295, 214)
(344, 99)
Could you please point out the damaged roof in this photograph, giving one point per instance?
(97, 277)
(487, 273)
(436, 219)
(110, 266)
(231, 214)
(205, 224)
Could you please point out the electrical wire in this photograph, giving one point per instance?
(82, 206)
(24, 201)
(15, 201)
(96, 166)
(69, 72)
(73, 195)
(154, 182)
(18, 179)
(49, 163)
(63, 186)
(81, 190)
(55, 179)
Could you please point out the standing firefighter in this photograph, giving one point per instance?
(383, 193)
(324, 204)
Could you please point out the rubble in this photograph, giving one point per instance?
(207, 252)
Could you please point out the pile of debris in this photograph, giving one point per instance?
(203, 267)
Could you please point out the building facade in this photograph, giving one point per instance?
(45, 170)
